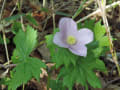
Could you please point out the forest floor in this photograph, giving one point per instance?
(44, 18)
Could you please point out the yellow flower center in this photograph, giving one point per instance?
(71, 40)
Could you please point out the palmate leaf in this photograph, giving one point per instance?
(27, 67)
(82, 70)
(99, 31)
(25, 71)
(56, 85)
(25, 43)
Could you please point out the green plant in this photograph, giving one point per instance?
(26, 67)
(77, 69)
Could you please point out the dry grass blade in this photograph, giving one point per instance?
(98, 11)
(101, 4)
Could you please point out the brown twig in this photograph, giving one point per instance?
(7, 66)
(110, 82)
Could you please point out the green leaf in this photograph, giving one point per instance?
(98, 51)
(82, 73)
(16, 27)
(17, 56)
(63, 14)
(25, 41)
(25, 71)
(4, 81)
(77, 69)
(99, 31)
(87, 24)
(93, 79)
(56, 85)
(104, 41)
(15, 17)
(27, 67)
(31, 19)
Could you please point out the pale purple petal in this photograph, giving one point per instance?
(58, 40)
(79, 49)
(68, 27)
(67, 24)
(85, 36)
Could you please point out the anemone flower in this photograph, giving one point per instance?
(71, 38)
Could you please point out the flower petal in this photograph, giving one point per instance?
(85, 36)
(79, 49)
(58, 40)
(68, 27)
(67, 24)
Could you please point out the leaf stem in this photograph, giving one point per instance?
(23, 87)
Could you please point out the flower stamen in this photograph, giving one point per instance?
(71, 40)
